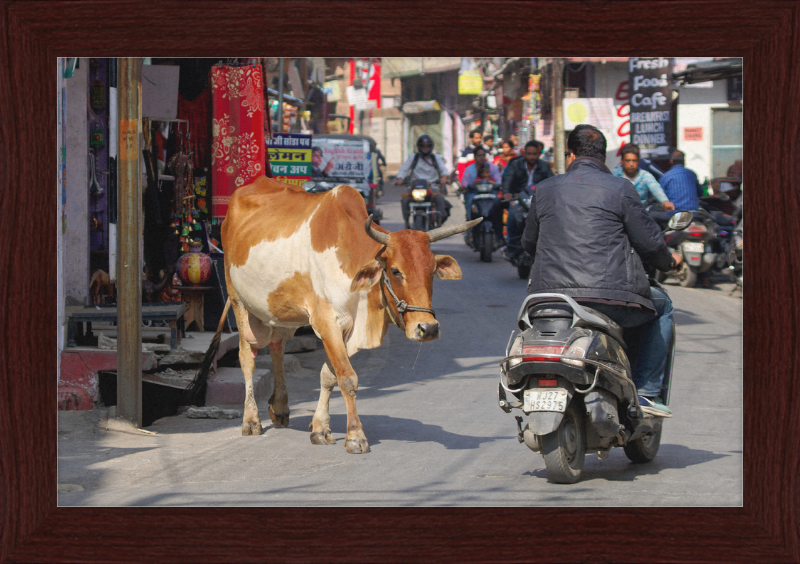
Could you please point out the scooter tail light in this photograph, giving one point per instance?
(578, 348)
(534, 353)
(696, 230)
(548, 383)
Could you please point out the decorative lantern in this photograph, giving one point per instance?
(194, 267)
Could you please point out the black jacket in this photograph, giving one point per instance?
(582, 230)
(515, 177)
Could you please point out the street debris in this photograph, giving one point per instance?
(212, 412)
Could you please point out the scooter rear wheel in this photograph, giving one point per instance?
(687, 276)
(564, 450)
(643, 449)
(486, 247)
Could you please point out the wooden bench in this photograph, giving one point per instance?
(171, 312)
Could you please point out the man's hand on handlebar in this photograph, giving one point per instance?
(668, 206)
(678, 261)
(398, 181)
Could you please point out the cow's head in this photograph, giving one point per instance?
(409, 265)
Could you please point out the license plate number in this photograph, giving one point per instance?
(554, 399)
(694, 247)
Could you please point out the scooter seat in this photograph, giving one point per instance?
(555, 310)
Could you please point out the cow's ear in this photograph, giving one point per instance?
(447, 268)
(367, 277)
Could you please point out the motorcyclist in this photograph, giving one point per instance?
(519, 178)
(427, 165)
(587, 231)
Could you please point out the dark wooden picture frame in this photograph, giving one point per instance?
(33, 529)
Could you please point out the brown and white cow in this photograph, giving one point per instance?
(294, 258)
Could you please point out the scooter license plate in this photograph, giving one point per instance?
(553, 399)
(694, 247)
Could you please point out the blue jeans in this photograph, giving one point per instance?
(513, 236)
(655, 338)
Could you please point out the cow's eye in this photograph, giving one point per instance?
(396, 273)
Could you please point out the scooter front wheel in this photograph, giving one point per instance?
(643, 449)
(564, 450)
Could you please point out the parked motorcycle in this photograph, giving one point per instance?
(483, 238)
(735, 255)
(704, 246)
(423, 215)
(568, 371)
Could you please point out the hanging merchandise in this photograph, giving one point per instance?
(238, 147)
(98, 95)
(201, 193)
(94, 186)
(181, 167)
(97, 136)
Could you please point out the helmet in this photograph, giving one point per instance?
(424, 140)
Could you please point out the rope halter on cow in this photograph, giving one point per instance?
(383, 239)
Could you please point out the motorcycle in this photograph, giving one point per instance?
(483, 238)
(523, 261)
(567, 369)
(735, 255)
(423, 215)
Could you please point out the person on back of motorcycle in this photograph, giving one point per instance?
(485, 175)
(429, 166)
(471, 176)
(519, 177)
(587, 230)
(645, 184)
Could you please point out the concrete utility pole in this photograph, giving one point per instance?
(129, 284)
(558, 115)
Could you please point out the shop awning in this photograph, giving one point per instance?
(710, 70)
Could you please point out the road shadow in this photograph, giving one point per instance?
(620, 469)
(380, 428)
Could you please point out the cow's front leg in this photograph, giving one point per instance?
(279, 400)
(325, 323)
(355, 441)
(321, 423)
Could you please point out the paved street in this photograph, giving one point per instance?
(436, 434)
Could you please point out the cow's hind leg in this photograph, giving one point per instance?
(321, 423)
(279, 401)
(252, 336)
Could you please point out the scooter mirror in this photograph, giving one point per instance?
(680, 221)
(308, 185)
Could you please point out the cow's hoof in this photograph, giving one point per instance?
(323, 438)
(279, 419)
(357, 446)
(251, 428)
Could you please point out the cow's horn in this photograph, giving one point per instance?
(442, 232)
(382, 238)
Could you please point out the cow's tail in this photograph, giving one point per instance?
(195, 392)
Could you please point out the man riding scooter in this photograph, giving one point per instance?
(521, 175)
(429, 166)
(587, 230)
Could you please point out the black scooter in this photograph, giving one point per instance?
(569, 372)
(483, 235)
